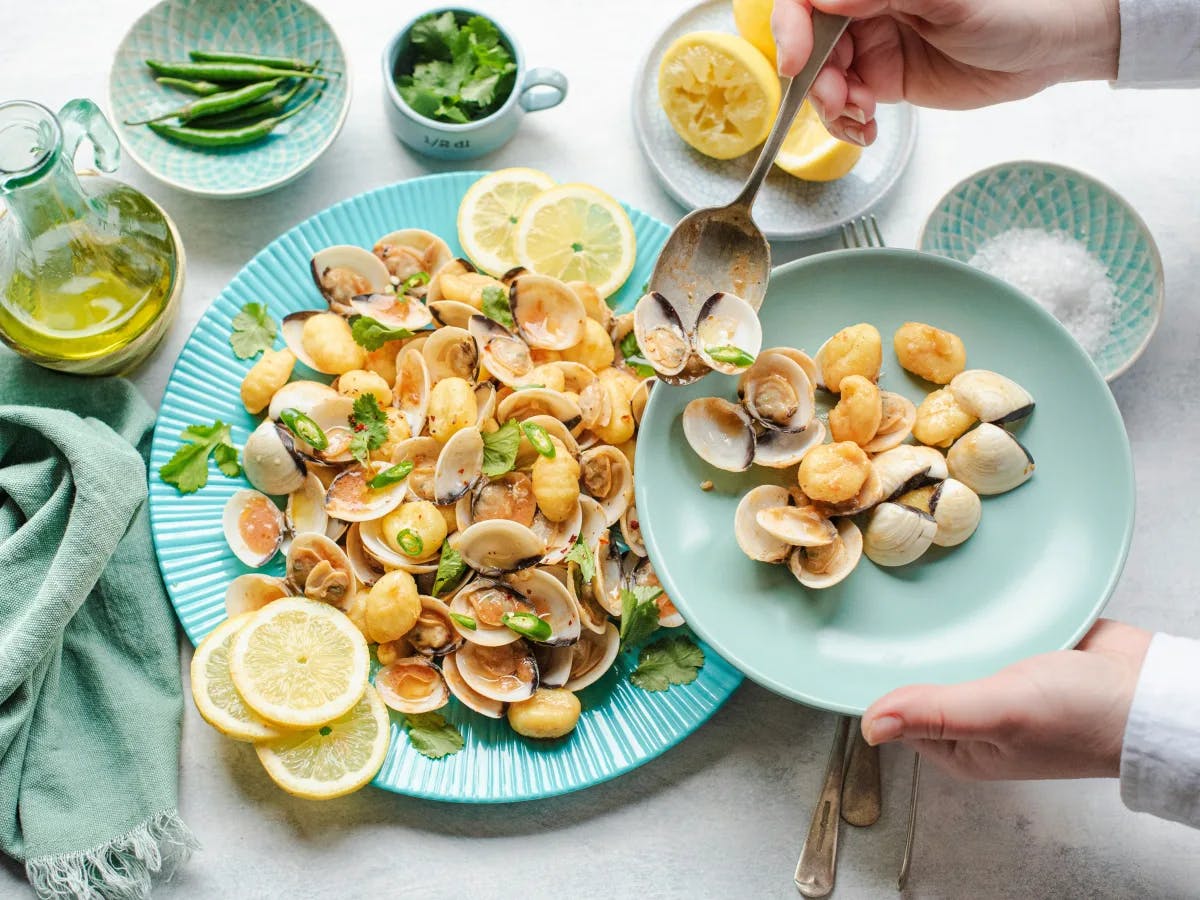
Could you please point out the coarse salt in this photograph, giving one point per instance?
(1060, 274)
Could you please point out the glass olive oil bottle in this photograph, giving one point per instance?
(91, 270)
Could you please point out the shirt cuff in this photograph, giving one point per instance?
(1160, 759)
(1160, 43)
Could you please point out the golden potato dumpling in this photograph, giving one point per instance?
(593, 303)
(452, 407)
(929, 352)
(393, 605)
(548, 375)
(415, 529)
(556, 483)
(327, 340)
(549, 713)
(858, 412)
(834, 473)
(595, 349)
(266, 377)
(621, 425)
(383, 361)
(357, 382)
(855, 350)
(391, 651)
(940, 420)
(398, 431)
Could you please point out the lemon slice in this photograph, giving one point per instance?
(489, 212)
(334, 759)
(213, 692)
(575, 232)
(812, 153)
(719, 93)
(299, 663)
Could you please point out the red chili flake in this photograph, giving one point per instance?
(359, 426)
(633, 523)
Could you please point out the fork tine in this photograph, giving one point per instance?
(849, 238)
(878, 234)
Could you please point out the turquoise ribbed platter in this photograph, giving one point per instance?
(1033, 577)
(274, 27)
(621, 727)
(1051, 197)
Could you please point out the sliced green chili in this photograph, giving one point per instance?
(539, 438)
(465, 621)
(734, 356)
(227, 71)
(395, 474)
(271, 105)
(304, 428)
(414, 280)
(527, 625)
(203, 88)
(225, 137)
(410, 542)
(254, 59)
(528, 387)
(216, 103)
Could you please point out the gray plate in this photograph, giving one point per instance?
(787, 208)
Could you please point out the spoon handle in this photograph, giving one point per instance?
(862, 793)
(818, 860)
(827, 30)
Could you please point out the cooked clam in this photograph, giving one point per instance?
(955, 508)
(606, 477)
(631, 531)
(411, 250)
(505, 356)
(319, 569)
(467, 695)
(366, 568)
(754, 540)
(301, 396)
(434, 634)
(989, 460)
(644, 576)
(352, 499)
(559, 537)
(253, 591)
(412, 685)
(375, 545)
(906, 467)
(797, 526)
(592, 656)
(306, 508)
(332, 416)
(548, 314)
(777, 393)
(505, 674)
(535, 401)
(411, 394)
(784, 449)
(508, 497)
(897, 534)
(661, 334)
(486, 601)
(899, 415)
(727, 335)
(527, 454)
(452, 312)
(826, 565)
(496, 546)
(344, 272)
(254, 527)
(451, 353)
(554, 664)
(551, 603)
(720, 432)
(423, 453)
(393, 310)
(270, 460)
(990, 397)
(459, 466)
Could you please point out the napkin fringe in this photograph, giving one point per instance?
(119, 869)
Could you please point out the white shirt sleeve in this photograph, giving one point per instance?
(1160, 43)
(1160, 759)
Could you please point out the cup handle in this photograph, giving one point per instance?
(83, 119)
(542, 88)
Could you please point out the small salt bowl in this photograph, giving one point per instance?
(1051, 198)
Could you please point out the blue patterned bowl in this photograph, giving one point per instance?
(274, 27)
(1055, 198)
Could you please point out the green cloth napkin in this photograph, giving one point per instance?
(90, 698)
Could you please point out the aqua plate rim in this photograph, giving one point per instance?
(924, 241)
(232, 193)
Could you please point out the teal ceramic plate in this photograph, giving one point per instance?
(273, 27)
(1032, 578)
(787, 208)
(621, 726)
(1051, 197)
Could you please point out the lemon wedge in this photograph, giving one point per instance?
(753, 21)
(719, 92)
(335, 759)
(576, 232)
(299, 663)
(812, 153)
(489, 212)
(213, 692)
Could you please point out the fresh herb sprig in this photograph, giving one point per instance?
(188, 468)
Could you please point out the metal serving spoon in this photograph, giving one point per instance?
(720, 248)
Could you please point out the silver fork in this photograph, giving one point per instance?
(864, 232)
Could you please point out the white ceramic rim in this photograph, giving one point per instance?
(1160, 286)
(257, 190)
(664, 180)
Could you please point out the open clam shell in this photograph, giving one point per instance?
(459, 466)
(253, 591)
(554, 664)
(270, 460)
(318, 568)
(434, 634)
(797, 526)
(955, 508)
(551, 602)
(496, 546)
(345, 271)
(897, 535)
(486, 601)
(606, 476)
(754, 540)
(529, 402)
(784, 449)
(826, 565)
(392, 310)
(376, 546)
(411, 250)
(989, 460)
(352, 499)
(454, 313)
(465, 694)
(727, 323)
(301, 396)
(664, 339)
(504, 674)
(777, 393)
(505, 356)
(720, 432)
(548, 314)
(366, 569)
(451, 353)
(990, 397)
(411, 393)
(593, 656)
(559, 537)
(306, 508)
(896, 424)
(254, 527)
(423, 453)
(412, 685)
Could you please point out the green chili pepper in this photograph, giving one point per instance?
(465, 621)
(215, 103)
(540, 438)
(268, 106)
(410, 542)
(391, 476)
(254, 59)
(529, 387)
(734, 356)
(415, 279)
(226, 137)
(203, 88)
(304, 428)
(227, 71)
(527, 625)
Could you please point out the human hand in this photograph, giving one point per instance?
(1058, 715)
(953, 54)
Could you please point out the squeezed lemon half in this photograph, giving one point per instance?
(810, 152)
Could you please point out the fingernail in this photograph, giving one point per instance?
(853, 112)
(818, 106)
(884, 729)
(854, 135)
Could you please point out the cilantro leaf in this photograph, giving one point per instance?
(431, 735)
(450, 570)
(370, 427)
(253, 331)
(496, 308)
(668, 661)
(500, 449)
(433, 33)
(188, 468)
(584, 558)
(632, 354)
(373, 334)
(639, 614)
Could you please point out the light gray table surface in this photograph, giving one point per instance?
(724, 813)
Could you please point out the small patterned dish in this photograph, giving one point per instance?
(1055, 198)
(275, 27)
(787, 208)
